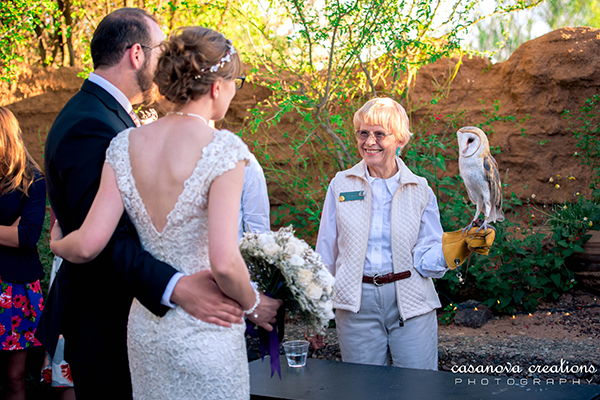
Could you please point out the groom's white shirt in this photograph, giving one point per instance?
(124, 102)
(112, 89)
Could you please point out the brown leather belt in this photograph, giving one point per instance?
(379, 280)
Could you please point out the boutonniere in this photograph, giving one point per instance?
(147, 116)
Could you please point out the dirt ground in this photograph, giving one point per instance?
(574, 316)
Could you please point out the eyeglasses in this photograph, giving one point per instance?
(377, 135)
(142, 46)
(239, 82)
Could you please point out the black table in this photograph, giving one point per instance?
(331, 380)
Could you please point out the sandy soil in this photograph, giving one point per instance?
(575, 316)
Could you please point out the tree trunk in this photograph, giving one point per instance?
(69, 30)
(174, 6)
(39, 31)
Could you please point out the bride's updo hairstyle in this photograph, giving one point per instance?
(192, 60)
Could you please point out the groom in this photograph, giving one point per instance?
(89, 303)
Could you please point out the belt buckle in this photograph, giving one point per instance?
(375, 280)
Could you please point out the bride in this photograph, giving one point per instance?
(180, 181)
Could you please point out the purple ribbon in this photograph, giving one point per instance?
(269, 341)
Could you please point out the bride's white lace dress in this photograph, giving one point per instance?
(178, 356)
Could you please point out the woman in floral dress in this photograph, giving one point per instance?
(22, 210)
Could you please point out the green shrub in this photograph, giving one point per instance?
(44, 252)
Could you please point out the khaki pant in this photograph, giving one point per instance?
(374, 334)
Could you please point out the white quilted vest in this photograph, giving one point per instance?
(415, 295)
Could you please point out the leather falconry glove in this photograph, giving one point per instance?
(457, 245)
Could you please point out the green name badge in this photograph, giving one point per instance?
(352, 196)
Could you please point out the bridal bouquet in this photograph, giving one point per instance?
(288, 269)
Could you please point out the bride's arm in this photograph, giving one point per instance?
(85, 243)
(226, 262)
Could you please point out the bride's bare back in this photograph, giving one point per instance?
(163, 155)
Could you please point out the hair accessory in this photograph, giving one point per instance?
(215, 68)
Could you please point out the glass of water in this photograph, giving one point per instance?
(295, 352)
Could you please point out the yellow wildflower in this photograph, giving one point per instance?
(557, 186)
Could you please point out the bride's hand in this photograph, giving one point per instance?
(265, 312)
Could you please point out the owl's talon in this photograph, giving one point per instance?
(468, 228)
(485, 227)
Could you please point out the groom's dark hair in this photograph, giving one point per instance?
(116, 32)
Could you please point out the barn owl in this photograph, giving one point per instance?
(479, 171)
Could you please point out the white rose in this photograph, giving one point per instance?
(297, 261)
(314, 291)
(265, 238)
(295, 246)
(326, 277)
(327, 307)
(305, 276)
(271, 249)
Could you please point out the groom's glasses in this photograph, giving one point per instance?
(239, 82)
(143, 46)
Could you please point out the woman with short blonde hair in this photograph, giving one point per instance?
(381, 237)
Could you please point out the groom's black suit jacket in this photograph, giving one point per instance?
(89, 303)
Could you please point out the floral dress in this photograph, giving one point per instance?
(20, 307)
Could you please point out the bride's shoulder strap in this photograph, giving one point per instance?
(118, 148)
(224, 152)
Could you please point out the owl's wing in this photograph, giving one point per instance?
(471, 196)
(492, 176)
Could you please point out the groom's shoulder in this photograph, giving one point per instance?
(84, 105)
(83, 113)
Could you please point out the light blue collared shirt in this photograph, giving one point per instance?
(254, 206)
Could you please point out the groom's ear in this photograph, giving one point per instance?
(136, 56)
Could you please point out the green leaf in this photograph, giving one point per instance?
(505, 301)
(556, 279)
(518, 295)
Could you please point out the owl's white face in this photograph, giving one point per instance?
(468, 143)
